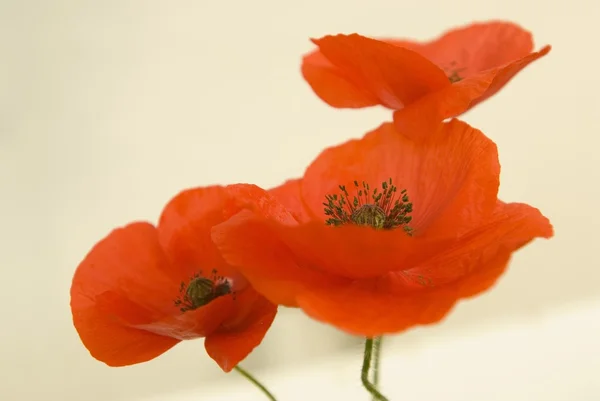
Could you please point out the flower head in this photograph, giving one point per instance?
(143, 289)
(423, 82)
(382, 233)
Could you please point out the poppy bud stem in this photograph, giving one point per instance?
(377, 343)
(366, 368)
(254, 381)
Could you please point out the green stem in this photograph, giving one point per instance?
(377, 344)
(254, 381)
(377, 396)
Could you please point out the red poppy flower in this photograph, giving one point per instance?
(381, 233)
(424, 83)
(143, 289)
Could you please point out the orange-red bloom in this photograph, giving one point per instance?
(142, 289)
(383, 259)
(424, 83)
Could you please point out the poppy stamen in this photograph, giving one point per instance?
(201, 291)
(454, 77)
(452, 72)
(380, 209)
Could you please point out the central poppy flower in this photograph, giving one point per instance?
(424, 82)
(381, 233)
(143, 289)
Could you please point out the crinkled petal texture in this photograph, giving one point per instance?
(288, 195)
(352, 71)
(393, 302)
(451, 177)
(123, 282)
(123, 292)
(185, 233)
(471, 49)
(372, 282)
(414, 78)
(420, 117)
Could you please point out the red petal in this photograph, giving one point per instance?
(355, 252)
(421, 117)
(360, 308)
(184, 232)
(288, 194)
(500, 76)
(260, 202)
(509, 228)
(332, 86)
(235, 340)
(112, 343)
(184, 227)
(452, 178)
(362, 72)
(482, 280)
(123, 282)
(248, 242)
(363, 307)
(235, 240)
(474, 48)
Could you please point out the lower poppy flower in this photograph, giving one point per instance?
(424, 82)
(382, 233)
(144, 288)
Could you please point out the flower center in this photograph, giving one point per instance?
(454, 77)
(369, 215)
(452, 72)
(201, 291)
(380, 208)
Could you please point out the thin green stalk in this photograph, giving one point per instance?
(254, 381)
(377, 344)
(366, 368)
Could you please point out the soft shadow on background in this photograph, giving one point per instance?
(109, 108)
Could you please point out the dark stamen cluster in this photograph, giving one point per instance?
(452, 72)
(454, 77)
(380, 209)
(201, 291)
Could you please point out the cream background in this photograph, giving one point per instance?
(108, 108)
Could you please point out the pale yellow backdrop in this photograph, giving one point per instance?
(108, 108)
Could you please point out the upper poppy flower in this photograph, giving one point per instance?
(142, 289)
(424, 82)
(381, 233)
